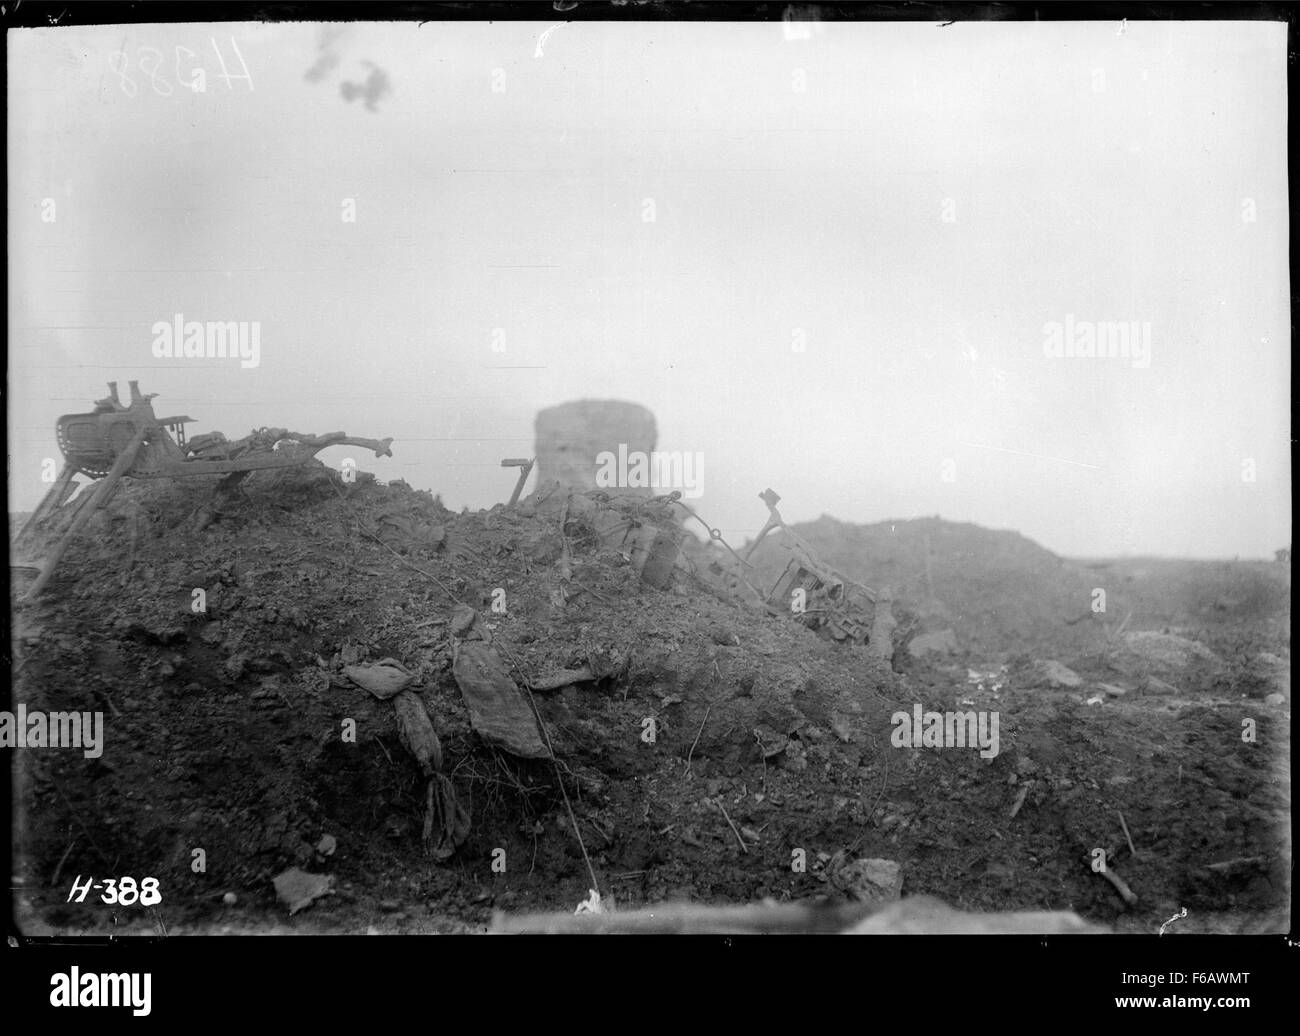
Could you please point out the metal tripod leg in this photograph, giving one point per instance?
(54, 498)
(102, 492)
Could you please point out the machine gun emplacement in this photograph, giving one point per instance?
(115, 440)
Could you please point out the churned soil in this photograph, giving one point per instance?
(718, 748)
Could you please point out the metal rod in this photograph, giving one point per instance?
(102, 491)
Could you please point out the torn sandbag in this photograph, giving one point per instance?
(445, 817)
(415, 730)
(383, 679)
(497, 710)
(446, 822)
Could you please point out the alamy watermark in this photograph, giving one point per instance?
(637, 469)
(919, 729)
(1102, 340)
(215, 339)
(131, 989)
(23, 729)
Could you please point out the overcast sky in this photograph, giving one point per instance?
(910, 204)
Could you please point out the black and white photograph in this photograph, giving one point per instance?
(563, 469)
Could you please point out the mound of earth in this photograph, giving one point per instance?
(998, 591)
(705, 751)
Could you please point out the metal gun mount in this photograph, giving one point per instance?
(115, 440)
(843, 609)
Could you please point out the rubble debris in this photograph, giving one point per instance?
(355, 601)
(297, 889)
(497, 711)
(873, 881)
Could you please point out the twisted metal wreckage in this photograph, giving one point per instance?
(115, 441)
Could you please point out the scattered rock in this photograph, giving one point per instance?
(1112, 690)
(770, 741)
(297, 889)
(1274, 699)
(463, 619)
(1171, 658)
(868, 881)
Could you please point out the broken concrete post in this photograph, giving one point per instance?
(571, 436)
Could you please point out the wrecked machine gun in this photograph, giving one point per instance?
(115, 440)
(829, 603)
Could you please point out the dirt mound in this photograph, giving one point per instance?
(998, 591)
(704, 750)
